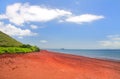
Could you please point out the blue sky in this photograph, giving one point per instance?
(76, 24)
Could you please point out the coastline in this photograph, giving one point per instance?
(55, 65)
(106, 54)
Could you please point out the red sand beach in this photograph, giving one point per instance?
(53, 65)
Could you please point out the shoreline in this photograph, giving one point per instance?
(107, 59)
(54, 65)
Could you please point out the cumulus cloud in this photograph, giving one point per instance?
(112, 41)
(43, 41)
(14, 31)
(19, 13)
(84, 18)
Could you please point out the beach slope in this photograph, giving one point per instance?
(53, 65)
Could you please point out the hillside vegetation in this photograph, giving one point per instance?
(13, 50)
(7, 41)
(10, 46)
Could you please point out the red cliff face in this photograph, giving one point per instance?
(50, 65)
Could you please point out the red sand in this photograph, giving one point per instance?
(51, 65)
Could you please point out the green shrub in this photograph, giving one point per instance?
(34, 48)
(26, 46)
(11, 50)
(24, 49)
(1, 51)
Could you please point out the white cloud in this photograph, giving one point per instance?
(19, 13)
(84, 18)
(20, 37)
(112, 41)
(106, 43)
(36, 27)
(3, 17)
(114, 37)
(33, 26)
(14, 31)
(43, 41)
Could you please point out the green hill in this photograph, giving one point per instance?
(11, 46)
(7, 41)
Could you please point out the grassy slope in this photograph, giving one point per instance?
(10, 45)
(6, 40)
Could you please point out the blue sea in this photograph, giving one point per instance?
(93, 53)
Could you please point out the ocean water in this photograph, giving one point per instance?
(104, 54)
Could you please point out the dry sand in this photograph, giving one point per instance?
(53, 65)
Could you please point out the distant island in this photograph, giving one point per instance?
(9, 45)
(62, 48)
